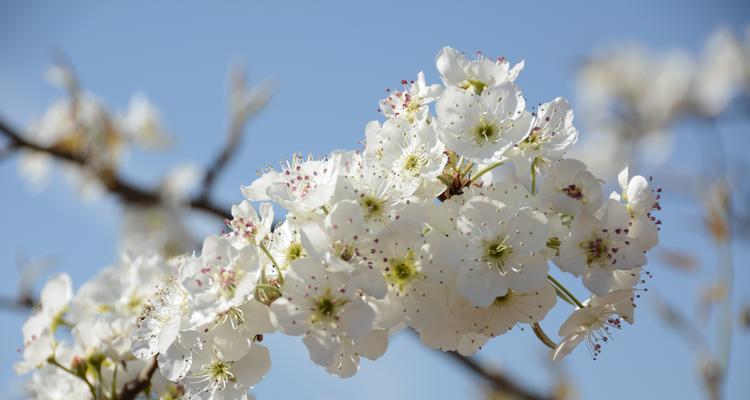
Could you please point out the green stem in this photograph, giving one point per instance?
(560, 286)
(273, 261)
(485, 170)
(533, 176)
(114, 382)
(54, 362)
(537, 329)
(444, 181)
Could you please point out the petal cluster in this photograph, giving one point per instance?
(454, 220)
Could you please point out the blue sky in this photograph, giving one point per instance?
(332, 62)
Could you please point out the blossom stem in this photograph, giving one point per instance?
(533, 176)
(114, 382)
(485, 170)
(539, 332)
(565, 290)
(54, 362)
(273, 261)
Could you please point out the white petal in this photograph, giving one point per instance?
(254, 366)
(372, 345)
(357, 318)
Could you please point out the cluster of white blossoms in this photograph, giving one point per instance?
(78, 346)
(449, 222)
(631, 95)
(84, 127)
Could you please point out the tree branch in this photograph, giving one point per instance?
(140, 383)
(223, 158)
(115, 184)
(244, 104)
(497, 380)
(19, 303)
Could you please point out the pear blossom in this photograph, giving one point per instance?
(551, 134)
(159, 323)
(216, 375)
(248, 226)
(38, 330)
(302, 185)
(444, 223)
(599, 246)
(416, 280)
(380, 194)
(570, 188)
(641, 201)
(595, 323)
(511, 309)
(286, 244)
(143, 123)
(476, 75)
(413, 154)
(340, 243)
(320, 306)
(412, 103)
(482, 127)
(222, 279)
(502, 252)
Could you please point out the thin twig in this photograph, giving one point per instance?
(140, 383)
(244, 105)
(115, 184)
(223, 158)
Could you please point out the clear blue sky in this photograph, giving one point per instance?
(332, 62)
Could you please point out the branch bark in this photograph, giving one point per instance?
(117, 185)
(140, 383)
(497, 380)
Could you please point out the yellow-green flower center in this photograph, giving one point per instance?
(326, 307)
(294, 252)
(476, 85)
(534, 141)
(596, 249)
(402, 271)
(504, 299)
(411, 163)
(373, 207)
(218, 371)
(485, 132)
(497, 251)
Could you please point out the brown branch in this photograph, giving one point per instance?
(497, 380)
(140, 383)
(115, 184)
(19, 303)
(7, 151)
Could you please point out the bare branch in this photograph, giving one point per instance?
(115, 184)
(497, 380)
(140, 383)
(22, 302)
(8, 151)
